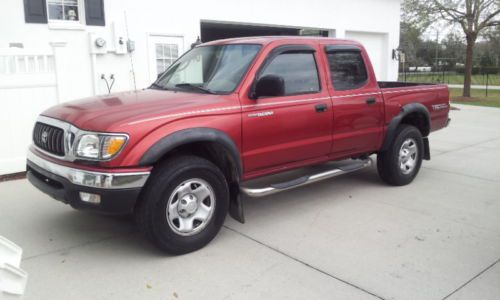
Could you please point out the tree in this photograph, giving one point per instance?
(454, 50)
(412, 27)
(427, 53)
(493, 38)
(473, 17)
(410, 38)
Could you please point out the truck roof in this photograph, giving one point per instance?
(264, 40)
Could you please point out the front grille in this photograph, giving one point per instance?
(49, 138)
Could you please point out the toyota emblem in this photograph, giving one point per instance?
(45, 136)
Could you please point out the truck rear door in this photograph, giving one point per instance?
(358, 105)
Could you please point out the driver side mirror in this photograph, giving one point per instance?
(269, 86)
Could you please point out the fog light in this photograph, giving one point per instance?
(90, 198)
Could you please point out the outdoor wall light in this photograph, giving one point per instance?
(396, 53)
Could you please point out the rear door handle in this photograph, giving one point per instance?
(370, 101)
(320, 107)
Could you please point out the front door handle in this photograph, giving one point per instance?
(370, 101)
(320, 107)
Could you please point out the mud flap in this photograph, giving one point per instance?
(427, 149)
(235, 203)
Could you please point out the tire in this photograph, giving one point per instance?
(177, 183)
(395, 172)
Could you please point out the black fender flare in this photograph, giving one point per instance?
(201, 134)
(396, 121)
(191, 135)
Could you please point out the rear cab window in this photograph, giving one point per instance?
(347, 69)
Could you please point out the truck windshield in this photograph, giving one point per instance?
(216, 69)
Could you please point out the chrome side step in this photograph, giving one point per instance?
(305, 180)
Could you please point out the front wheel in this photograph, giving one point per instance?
(400, 164)
(184, 204)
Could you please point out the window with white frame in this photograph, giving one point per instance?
(65, 14)
(166, 54)
(63, 10)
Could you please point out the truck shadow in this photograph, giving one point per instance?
(325, 193)
(120, 233)
(91, 230)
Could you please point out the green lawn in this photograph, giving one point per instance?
(478, 97)
(493, 79)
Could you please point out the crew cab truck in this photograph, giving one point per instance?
(180, 153)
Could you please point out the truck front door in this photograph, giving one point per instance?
(291, 128)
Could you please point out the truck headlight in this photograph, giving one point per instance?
(88, 146)
(99, 146)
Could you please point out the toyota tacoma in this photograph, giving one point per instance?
(179, 154)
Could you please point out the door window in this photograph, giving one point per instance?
(163, 51)
(66, 10)
(166, 54)
(347, 70)
(298, 71)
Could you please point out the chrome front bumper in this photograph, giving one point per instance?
(99, 180)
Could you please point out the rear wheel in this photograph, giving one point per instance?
(400, 164)
(184, 204)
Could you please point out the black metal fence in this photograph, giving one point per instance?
(484, 78)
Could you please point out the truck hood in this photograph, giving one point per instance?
(113, 112)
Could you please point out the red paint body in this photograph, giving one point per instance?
(294, 135)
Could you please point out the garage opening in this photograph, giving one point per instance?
(213, 30)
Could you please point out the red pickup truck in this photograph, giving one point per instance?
(180, 153)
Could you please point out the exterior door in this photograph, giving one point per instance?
(358, 106)
(163, 51)
(289, 128)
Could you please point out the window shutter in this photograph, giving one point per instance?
(94, 12)
(35, 11)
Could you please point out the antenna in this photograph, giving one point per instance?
(129, 51)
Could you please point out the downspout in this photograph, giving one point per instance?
(93, 62)
(57, 65)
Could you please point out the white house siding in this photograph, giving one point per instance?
(77, 72)
(377, 46)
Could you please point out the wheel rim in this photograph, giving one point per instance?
(408, 154)
(190, 207)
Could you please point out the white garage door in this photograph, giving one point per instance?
(376, 46)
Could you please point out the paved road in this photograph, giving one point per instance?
(347, 238)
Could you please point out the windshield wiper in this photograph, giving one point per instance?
(190, 85)
(156, 85)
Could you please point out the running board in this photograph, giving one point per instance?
(305, 180)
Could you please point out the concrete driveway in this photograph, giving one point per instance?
(347, 238)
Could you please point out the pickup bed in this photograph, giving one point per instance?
(180, 153)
